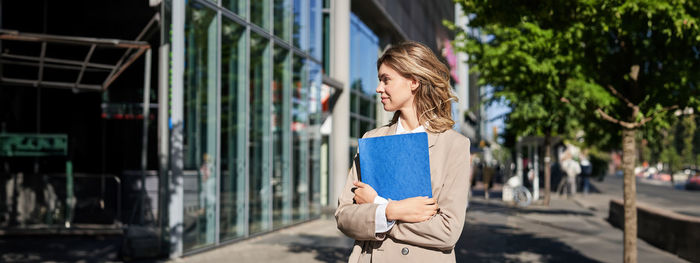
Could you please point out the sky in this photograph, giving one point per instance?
(493, 111)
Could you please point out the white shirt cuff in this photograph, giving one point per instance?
(381, 224)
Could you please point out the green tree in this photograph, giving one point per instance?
(628, 62)
(688, 135)
(519, 63)
(669, 153)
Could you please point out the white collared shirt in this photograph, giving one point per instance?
(401, 130)
(381, 224)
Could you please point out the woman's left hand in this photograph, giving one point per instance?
(364, 193)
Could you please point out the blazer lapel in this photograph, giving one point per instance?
(432, 140)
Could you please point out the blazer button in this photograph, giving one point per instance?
(404, 251)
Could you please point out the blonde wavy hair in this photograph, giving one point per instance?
(414, 60)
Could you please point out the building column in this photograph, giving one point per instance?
(175, 184)
(462, 87)
(339, 70)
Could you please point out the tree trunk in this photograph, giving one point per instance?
(628, 158)
(547, 165)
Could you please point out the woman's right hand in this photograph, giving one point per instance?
(411, 210)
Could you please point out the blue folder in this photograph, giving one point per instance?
(396, 166)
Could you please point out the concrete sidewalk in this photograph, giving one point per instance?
(563, 231)
(493, 232)
(315, 241)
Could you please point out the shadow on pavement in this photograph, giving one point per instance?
(59, 248)
(493, 243)
(325, 254)
(326, 249)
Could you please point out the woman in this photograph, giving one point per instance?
(415, 85)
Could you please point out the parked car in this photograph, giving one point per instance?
(680, 177)
(648, 172)
(693, 182)
(661, 176)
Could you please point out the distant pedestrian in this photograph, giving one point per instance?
(571, 168)
(487, 177)
(586, 172)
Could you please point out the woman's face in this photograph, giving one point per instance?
(396, 91)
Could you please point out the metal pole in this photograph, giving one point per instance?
(536, 167)
(144, 137)
(69, 193)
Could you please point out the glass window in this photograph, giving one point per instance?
(353, 128)
(315, 27)
(314, 137)
(252, 145)
(299, 24)
(363, 77)
(363, 68)
(200, 106)
(367, 106)
(299, 141)
(283, 17)
(259, 101)
(281, 139)
(365, 126)
(233, 130)
(326, 38)
(236, 6)
(353, 102)
(260, 13)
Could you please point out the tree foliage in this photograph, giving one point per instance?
(626, 62)
(519, 59)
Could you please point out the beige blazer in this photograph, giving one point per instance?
(428, 241)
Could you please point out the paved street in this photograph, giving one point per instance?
(664, 196)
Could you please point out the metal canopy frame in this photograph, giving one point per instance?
(133, 50)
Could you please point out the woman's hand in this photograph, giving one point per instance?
(364, 193)
(411, 210)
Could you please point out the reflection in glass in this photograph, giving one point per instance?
(367, 106)
(200, 104)
(354, 133)
(365, 126)
(363, 79)
(314, 137)
(315, 28)
(236, 6)
(259, 155)
(260, 13)
(281, 139)
(299, 24)
(299, 141)
(362, 68)
(233, 129)
(326, 38)
(282, 16)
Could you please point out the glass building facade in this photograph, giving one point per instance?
(251, 118)
(363, 80)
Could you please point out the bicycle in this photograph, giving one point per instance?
(514, 191)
